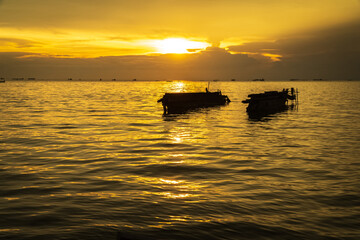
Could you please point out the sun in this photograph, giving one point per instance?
(179, 45)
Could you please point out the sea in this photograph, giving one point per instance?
(99, 160)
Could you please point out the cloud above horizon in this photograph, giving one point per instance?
(331, 51)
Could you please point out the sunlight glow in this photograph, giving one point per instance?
(179, 45)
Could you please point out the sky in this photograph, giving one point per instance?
(180, 39)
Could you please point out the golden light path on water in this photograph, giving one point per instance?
(173, 187)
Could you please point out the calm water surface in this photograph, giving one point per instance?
(85, 160)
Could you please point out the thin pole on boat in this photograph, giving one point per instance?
(297, 98)
(208, 86)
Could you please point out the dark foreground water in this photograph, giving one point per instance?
(85, 160)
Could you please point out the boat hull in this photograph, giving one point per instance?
(183, 102)
(267, 106)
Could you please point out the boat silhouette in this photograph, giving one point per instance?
(182, 102)
(262, 104)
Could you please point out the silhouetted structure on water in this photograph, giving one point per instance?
(270, 102)
(182, 102)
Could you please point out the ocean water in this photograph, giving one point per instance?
(91, 160)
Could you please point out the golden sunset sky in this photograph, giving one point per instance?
(127, 39)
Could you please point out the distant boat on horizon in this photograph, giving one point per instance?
(258, 80)
(2, 80)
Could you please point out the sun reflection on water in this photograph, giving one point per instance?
(178, 86)
(168, 181)
(185, 86)
(163, 187)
